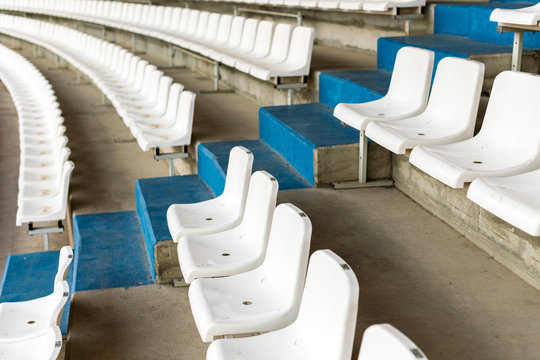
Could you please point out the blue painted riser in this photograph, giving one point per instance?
(31, 276)
(474, 23)
(154, 196)
(443, 45)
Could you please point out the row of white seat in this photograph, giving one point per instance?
(158, 113)
(44, 171)
(375, 6)
(263, 49)
(29, 329)
(246, 261)
(438, 127)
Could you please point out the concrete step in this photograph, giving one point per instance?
(311, 139)
(30, 276)
(109, 252)
(154, 196)
(496, 57)
(474, 22)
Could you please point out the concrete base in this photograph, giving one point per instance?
(512, 247)
(166, 262)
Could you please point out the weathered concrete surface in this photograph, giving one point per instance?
(515, 249)
(166, 262)
(138, 323)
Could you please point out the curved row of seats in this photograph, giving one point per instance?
(158, 112)
(263, 49)
(438, 127)
(247, 260)
(29, 329)
(45, 171)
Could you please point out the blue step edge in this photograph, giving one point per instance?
(474, 23)
(214, 157)
(31, 276)
(442, 44)
(154, 196)
(295, 131)
(109, 252)
(352, 86)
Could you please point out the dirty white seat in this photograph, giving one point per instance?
(141, 122)
(450, 115)
(47, 208)
(385, 342)
(260, 46)
(178, 134)
(264, 299)
(529, 15)
(45, 346)
(508, 142)
(220, 213)
(296, 63)
(236, 250)
(515, 199)
(26, 319)
(385, 5)
(324, 328)
(407, 96)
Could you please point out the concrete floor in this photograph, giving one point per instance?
(414, 271)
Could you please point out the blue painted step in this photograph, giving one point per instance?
(472, 21)
(213, 159)
(154, 196)
(443, 45)
(352, 86)
(31, 276)
(109, 252)
(295, 131)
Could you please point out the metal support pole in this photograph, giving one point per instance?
(235, 10)
(217, 76)
(171, 167)
(299, 18)
(133, 43)
(46, 241)
(290, 96)
(517, 51)
(171, 55)
(407, 27)
(104, 32)
(362, 157)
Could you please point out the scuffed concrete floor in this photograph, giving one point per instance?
(414, 271)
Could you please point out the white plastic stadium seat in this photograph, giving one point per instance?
(385, 5)
(385, 342)
(508, 142)
(450, 115)
(529, 15)
(43, 347)
(236, 250)
(407, 96)
(324, 328)
(26, 319)
(515, 199)
(220, 213)
(264, 299)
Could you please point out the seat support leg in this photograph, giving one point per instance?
(217, 77)
(158, 155)
(45, 231)
(517, 51)
(290, 96)
(362, 170)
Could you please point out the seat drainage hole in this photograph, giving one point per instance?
(225, 254)
(31, 322)
(208, 219)
(247, 302)
(421, 134)
(477, 162)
